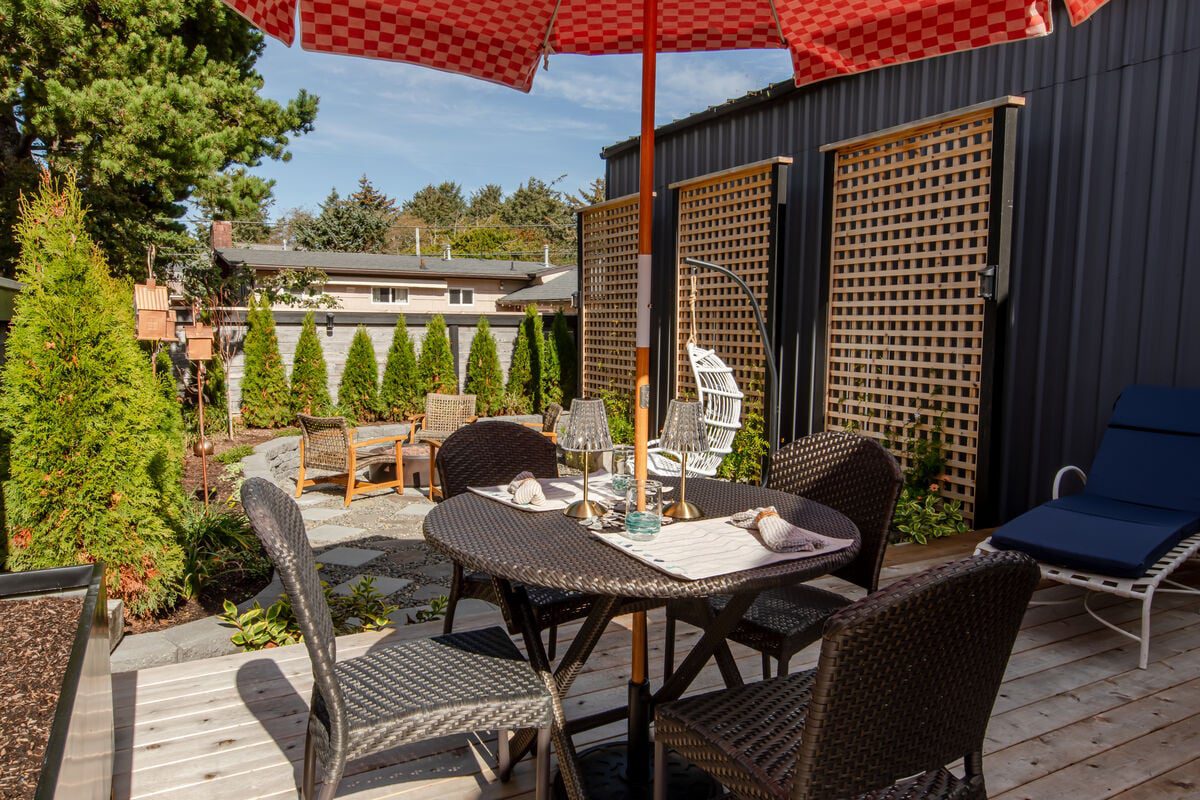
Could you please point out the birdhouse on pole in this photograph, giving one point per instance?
(199, 342)
(152, 305)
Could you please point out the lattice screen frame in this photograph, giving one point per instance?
(917, 211)
(608, 243)
(728, 218)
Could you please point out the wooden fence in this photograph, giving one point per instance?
(608, 296)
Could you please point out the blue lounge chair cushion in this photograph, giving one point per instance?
(1158, 408)
(1148, 468)
(1097, 534)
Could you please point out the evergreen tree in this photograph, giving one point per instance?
(216, 403)
(95, 449)
(344, 225)
(368, 196)
(486, 202)
(310, 380)
(400, 395)
(520, 373)
(435, 369)
(563, 345)
(531, 328)
(441, 205)
(485, 378)
(552, 372)
(358, 393)
(265, 400)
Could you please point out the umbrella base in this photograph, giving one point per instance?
(603, 770)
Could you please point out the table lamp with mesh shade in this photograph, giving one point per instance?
(684, 432)
(586, 432)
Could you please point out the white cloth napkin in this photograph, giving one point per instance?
(526, 490)
(777, 533)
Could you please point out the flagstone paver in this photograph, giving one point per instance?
(385, 586)
(427, 593)
(349, 556)
(318, 514)
(332, 534)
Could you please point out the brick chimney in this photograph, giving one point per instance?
(222, 234)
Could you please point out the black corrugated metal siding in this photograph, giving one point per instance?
(1106, 218)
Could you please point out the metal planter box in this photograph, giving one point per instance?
(78, 763)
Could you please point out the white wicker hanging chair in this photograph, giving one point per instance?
(722, 400)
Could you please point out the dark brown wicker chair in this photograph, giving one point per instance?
(327, 444)
(904, 686)
(549, 424)
(849, 473)
(490, 454)
(396, 694)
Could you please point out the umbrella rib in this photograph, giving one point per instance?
(546, 49)
(778, 25)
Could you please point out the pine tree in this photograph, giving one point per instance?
(400, 395)
(95, 453)
(485, 378)
(265, 400)
(520, 373)
(435, 369)
(310, 380)
(563, 345)
(531, 328)
(358, 393)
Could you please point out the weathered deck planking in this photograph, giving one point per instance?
(1075, 719)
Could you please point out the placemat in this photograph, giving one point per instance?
(560, 492)
(707, 548)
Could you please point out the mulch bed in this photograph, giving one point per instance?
(35, 644)
(235, 587)
(220, 485)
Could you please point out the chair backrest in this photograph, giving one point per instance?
(491, 454)
(448, 412)
(721, 398)
(550, 417)
(1150, 453)
(907, 676)
(851, 474)
(326, 441)
(276, 520)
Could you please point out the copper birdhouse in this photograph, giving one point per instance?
(199, 342)
(152, 305)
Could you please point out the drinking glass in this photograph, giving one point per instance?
(645, 523)
(622, 472)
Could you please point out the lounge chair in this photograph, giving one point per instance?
(1138, 517)
(328, 444)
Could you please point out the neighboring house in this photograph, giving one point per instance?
(8, 292)
(549, 291)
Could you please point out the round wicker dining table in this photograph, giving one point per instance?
(545, 548)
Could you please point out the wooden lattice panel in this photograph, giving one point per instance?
(608, 306)
(910, 222)
(725, 219)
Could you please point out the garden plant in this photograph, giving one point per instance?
(358, 392)
(435, 368)
(310, 379)
(485, 378)
(266, 401)
(399, 394)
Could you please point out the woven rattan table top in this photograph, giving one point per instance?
(548, 549)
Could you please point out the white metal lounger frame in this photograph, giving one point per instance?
(722, 400)
(1142, 588)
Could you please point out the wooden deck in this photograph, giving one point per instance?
(1075, 719)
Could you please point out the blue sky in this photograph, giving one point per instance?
(407, 126)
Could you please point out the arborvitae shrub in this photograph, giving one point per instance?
(551, 372)
(400, 394)
(266, 401)
(216, 398)
(310, 380)
(563, 345)
(435, 369)
(358, 393)
(95, 456)
(520, 373)
(485, 378)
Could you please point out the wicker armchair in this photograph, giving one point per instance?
(904, 686)
(444, 414)
(327, 444)
(849, 473)
(397, 694)
(549, 424)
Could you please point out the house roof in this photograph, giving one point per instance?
(554, 289)
(376, 264)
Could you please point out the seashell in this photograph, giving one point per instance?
(521, 476)
(529, 493)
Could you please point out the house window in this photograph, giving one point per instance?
(389, 294)
(462, 297)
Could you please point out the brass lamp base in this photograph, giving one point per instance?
(682, 509)
(586, 509)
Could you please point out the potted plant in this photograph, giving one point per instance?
(60, 617)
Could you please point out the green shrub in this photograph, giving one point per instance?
(435, 369)
(310, 380)
(745, 463)
(552, 391)
(216, 412)
(282, 432)
(485, 378)
(265, 398)
(563, 345)
(95, 449)
(358, 393)
(520, 374)
(526, 372)
(218, 543)
(400, 395)
(234, 454)
(921, 516)
(619, 407)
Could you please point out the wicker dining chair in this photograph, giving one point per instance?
(444, 414)
(904, 686)
(849, 473)
(328, 444)
(394, 694)
(549, 424)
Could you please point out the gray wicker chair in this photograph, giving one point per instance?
(327, 444)
(849, 473)
(397, 694)
(904, 686)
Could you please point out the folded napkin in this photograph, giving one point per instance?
(777, 533)
(526, 490)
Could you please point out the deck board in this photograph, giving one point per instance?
(1074, 719)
